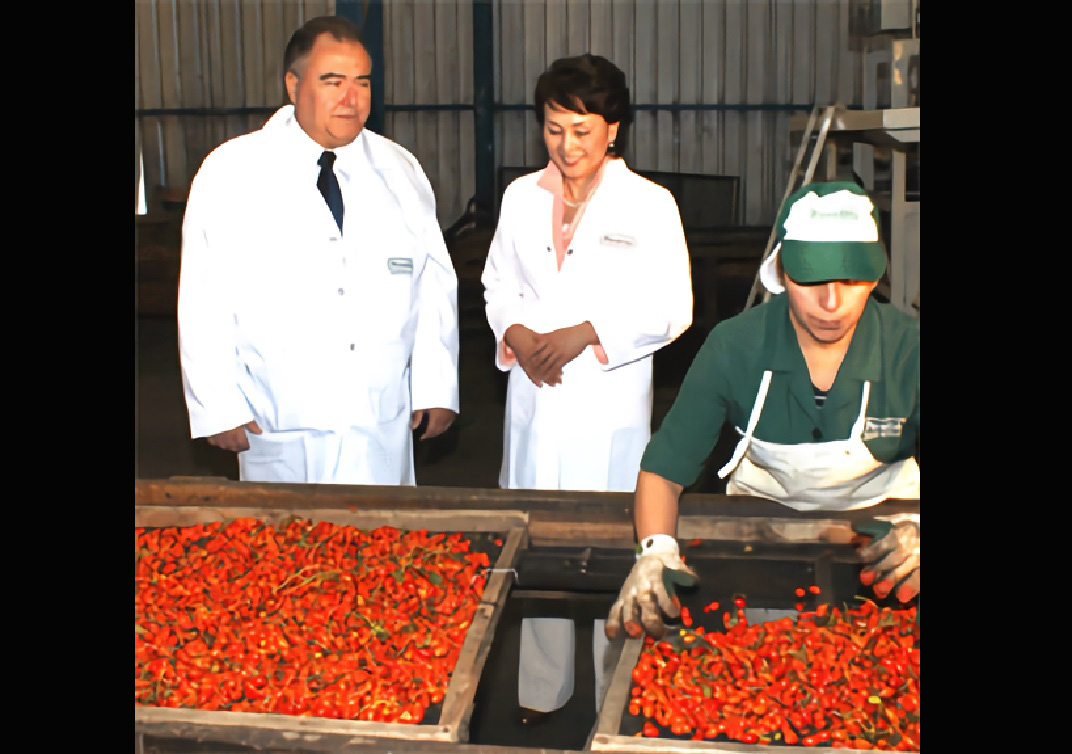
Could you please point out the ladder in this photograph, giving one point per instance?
(812, 159)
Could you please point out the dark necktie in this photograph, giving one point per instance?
(329, 186)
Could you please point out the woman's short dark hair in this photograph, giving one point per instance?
(587, 84)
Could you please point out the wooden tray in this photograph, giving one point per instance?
(765, 571)
(253, 729)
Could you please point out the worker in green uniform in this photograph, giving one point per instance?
(822, 384)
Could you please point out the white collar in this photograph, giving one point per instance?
(347, 158)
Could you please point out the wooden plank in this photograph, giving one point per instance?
(618, 693)
(222, 493)
(430, 520)
(458, 701)
(168, 722)
(329, 743)
(765, 530)
(557, 529)
(563, 509)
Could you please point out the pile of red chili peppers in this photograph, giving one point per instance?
(836, 678)
(301, 619)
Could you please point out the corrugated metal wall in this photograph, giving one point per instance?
(715, 81)
(428, 51)
(193, 55)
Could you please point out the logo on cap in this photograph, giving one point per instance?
(840, 216)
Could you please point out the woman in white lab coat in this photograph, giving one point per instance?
(587, 276)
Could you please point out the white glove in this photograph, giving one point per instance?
(649, 589)
(894, 557)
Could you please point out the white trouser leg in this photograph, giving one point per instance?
(599, 654)
(545, 669)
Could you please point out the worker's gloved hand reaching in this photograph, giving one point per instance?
(892, 555)
(648, 592)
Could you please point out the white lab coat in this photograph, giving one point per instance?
(627, 273)
(326, 339)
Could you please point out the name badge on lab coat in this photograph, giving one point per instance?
(400, 265)
(875, 428)
(619, 240)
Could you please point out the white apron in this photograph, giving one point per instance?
(836, 475)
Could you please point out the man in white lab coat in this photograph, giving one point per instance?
(317, 302)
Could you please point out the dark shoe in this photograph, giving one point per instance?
(526, 716)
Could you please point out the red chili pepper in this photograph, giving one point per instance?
(818, 680)
(295, 614)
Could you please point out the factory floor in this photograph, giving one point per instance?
(468, 455)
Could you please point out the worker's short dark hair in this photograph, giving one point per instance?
(587, 84)
(302, 41)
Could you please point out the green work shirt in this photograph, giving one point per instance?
(723, 380)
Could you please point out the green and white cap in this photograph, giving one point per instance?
(826, 231)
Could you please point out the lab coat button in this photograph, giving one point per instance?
(817, 433)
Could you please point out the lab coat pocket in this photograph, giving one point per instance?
(615, 260)
(274, 457)
(390, 293)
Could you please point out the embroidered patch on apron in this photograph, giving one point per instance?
(618, 239)
(400, 265)
(875, 428)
